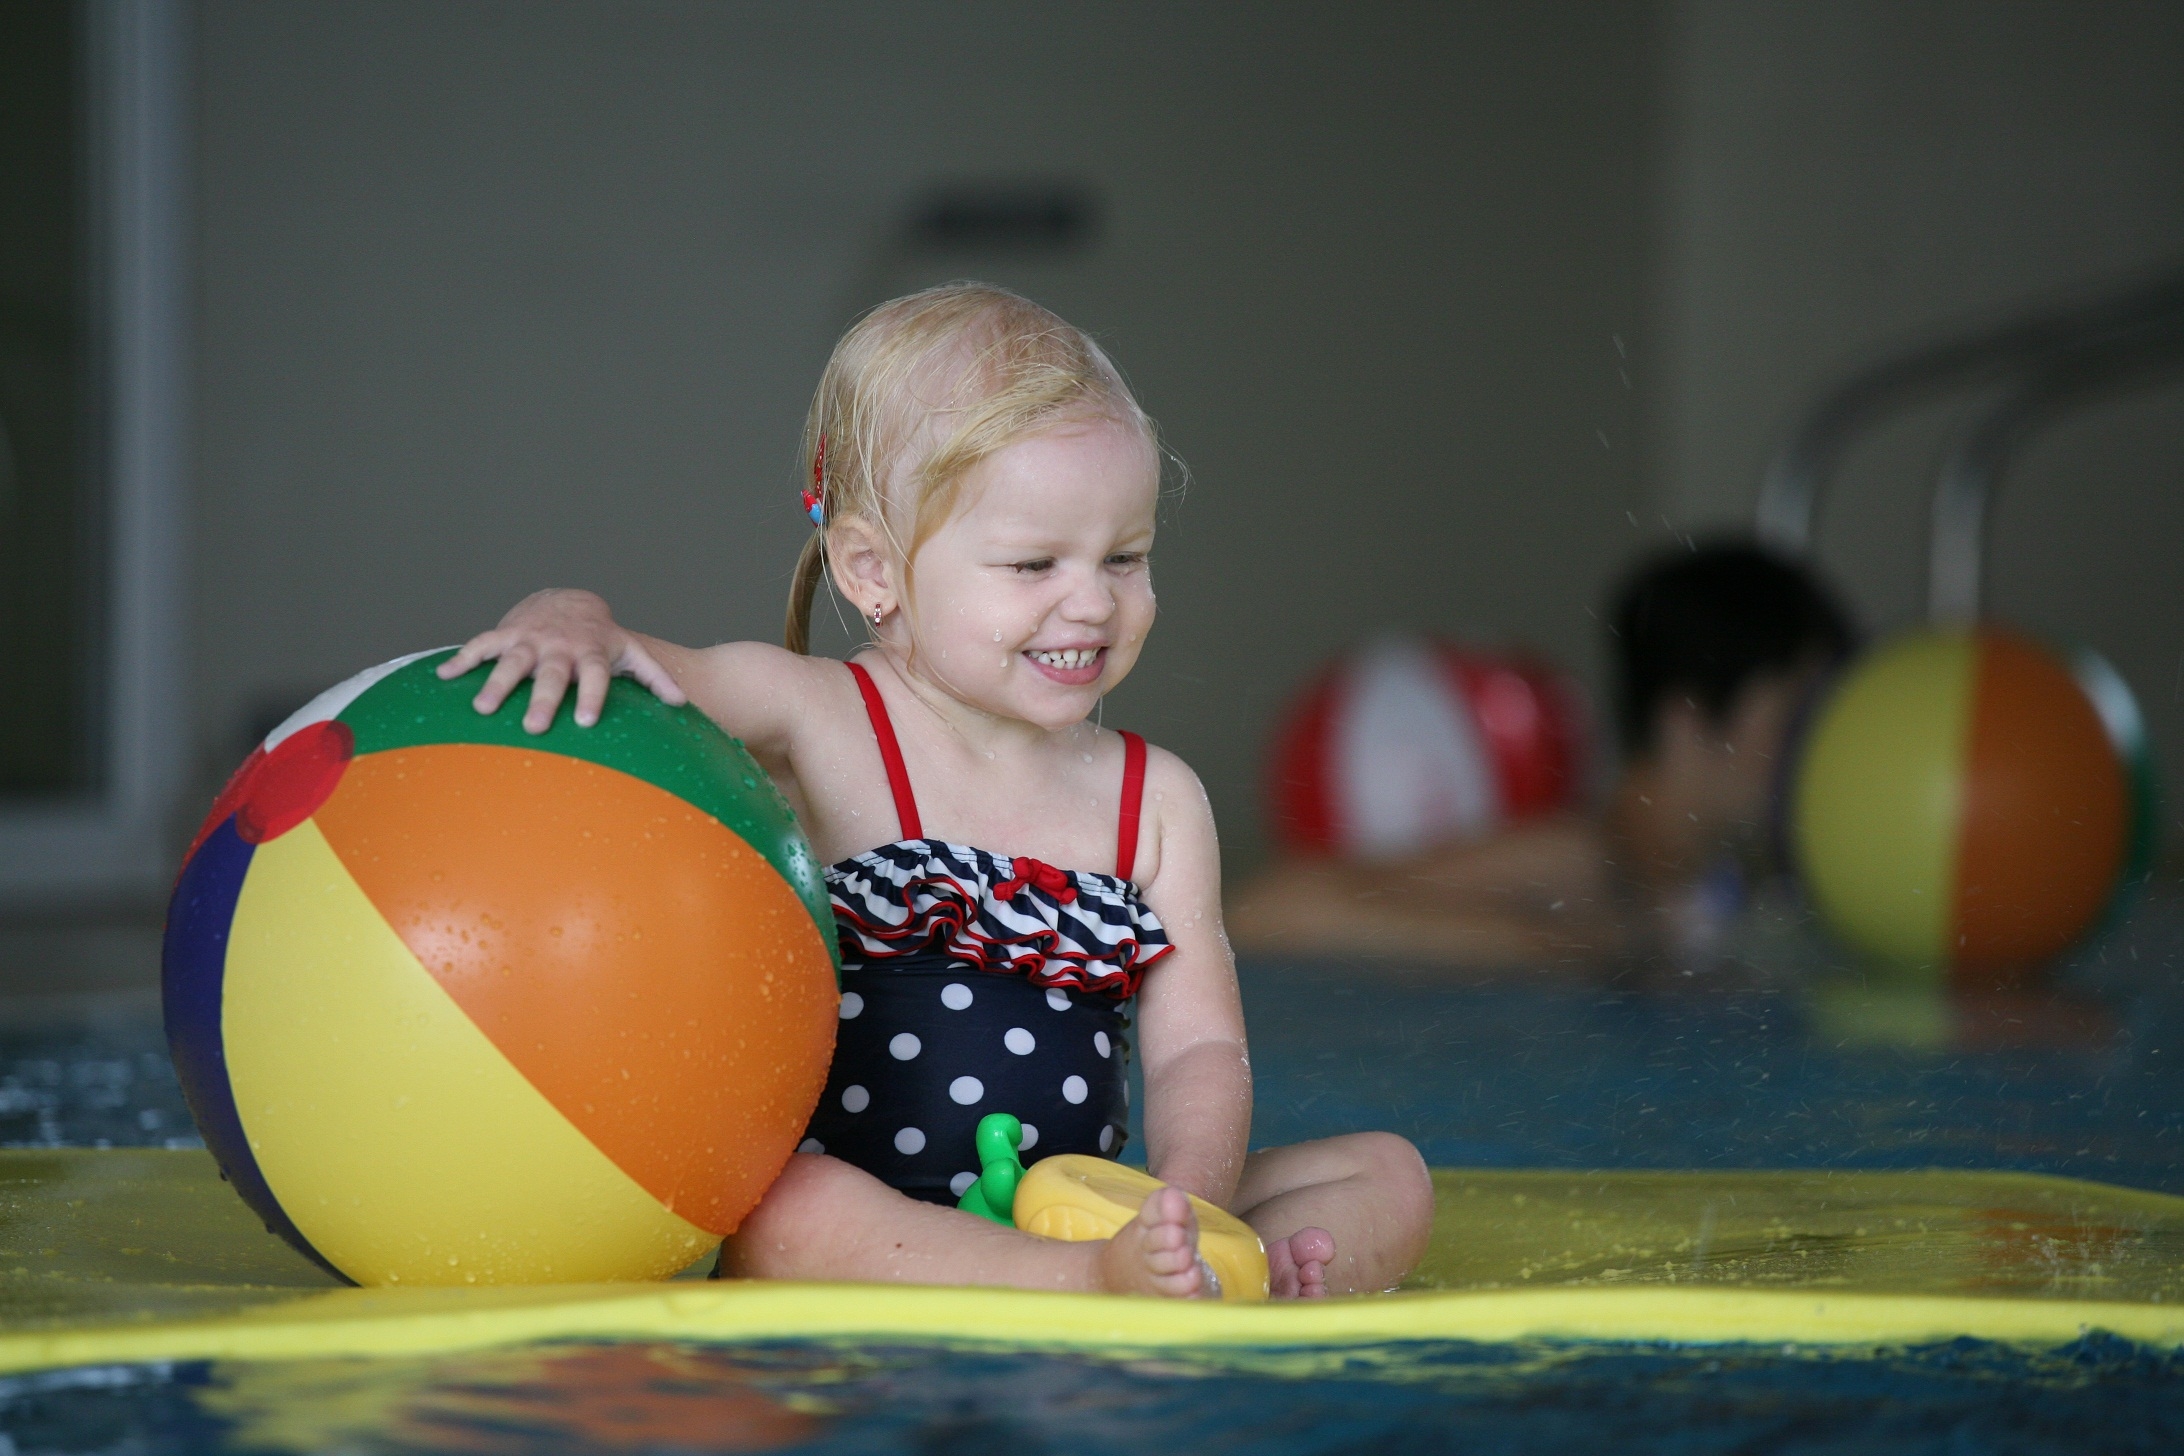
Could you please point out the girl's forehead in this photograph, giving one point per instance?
(1090, 473)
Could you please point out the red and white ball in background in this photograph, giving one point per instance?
(1409, 742)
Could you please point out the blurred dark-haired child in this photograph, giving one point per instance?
(1716, 651)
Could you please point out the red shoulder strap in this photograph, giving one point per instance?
(898, 777)
(1133, 798)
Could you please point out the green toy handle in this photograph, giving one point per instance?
(993, 1196)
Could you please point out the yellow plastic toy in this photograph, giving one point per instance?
(1078, 1198)
(1074, 1196)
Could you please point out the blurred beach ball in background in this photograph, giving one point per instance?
(1967, 805)
(454, 1004)
(1408, 742)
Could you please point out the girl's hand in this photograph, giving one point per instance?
(548, 637)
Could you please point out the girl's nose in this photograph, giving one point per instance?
(1090, 600)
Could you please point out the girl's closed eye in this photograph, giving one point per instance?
(1032, 567)
(1128, 560)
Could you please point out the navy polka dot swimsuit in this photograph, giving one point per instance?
(975, 983)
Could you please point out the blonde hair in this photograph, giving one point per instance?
(922, 389)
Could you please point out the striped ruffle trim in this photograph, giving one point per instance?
(920, 897)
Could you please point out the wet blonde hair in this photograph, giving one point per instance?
(922, 389)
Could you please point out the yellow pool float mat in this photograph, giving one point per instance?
(138, 1255)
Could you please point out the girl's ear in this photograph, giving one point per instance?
(861, 564)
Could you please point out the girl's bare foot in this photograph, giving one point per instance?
(1157, 1252)
(1296, 1267)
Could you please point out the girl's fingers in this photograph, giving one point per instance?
(549, 683)
(592, 678)
(517, 653)
(514, 666)
(466, 657)
(640, 665)
(478, 649)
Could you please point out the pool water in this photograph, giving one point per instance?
(1964, 1396)
(1738, 1073)
(1769, 1054)
(107, 1084)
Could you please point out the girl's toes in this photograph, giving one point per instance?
(1171, 1260)
(1157, 1252)
(1296, 1267)
(1170, 1225)
(1312, 1246)
(1187, 1282)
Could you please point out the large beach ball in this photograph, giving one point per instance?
(1409, 742)
(1960, 806)
(456, 1004)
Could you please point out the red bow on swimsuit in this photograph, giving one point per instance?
(1029, 871)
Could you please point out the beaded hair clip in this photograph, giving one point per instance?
(815, 494)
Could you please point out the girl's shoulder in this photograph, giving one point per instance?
(1176, 819)
(766, 695)
(1172, 784)
(746, 665)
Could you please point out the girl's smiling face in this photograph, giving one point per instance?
(1034, 598)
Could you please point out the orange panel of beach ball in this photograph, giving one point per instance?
(453, 1003)
(1959, 807)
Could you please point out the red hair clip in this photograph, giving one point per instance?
(815, 495)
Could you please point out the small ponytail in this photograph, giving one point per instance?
(803, 587)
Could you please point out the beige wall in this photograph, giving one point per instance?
(1844, 179)
(498, 296)
(1449, 309)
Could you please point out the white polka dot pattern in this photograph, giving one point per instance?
(911, 1060)
(971, 989)
(1031, 1139)
(961, 1183)
(811, 1145)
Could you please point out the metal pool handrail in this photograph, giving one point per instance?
(1965, 487)
(1790, 488)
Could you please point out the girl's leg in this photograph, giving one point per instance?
(1359, 1208)
(824, 1219)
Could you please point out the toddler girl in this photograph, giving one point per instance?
(984, 486)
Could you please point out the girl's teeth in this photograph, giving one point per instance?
(1073, 658)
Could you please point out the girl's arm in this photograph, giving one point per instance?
(1190, 1015)
(751, 689)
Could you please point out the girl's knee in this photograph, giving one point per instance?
(1398, 1154)
(770, 1241)
(1398, 1173)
